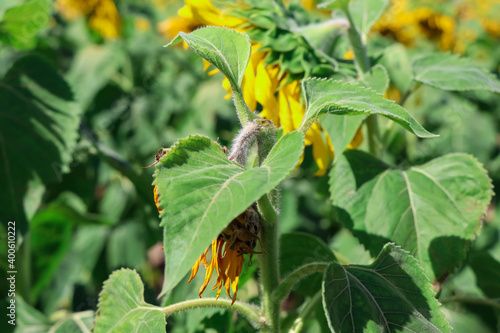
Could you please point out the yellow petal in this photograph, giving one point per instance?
(227, 86)
(265, 88)
(357, 140)
(206, 13)
(331, 149)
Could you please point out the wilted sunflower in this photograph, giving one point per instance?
(271, 86)
(102, 15)
(227, 251)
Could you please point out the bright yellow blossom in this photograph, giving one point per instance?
(194, 14)
(279, 99)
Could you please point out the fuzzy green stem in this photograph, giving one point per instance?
(291, 279)
(269, 266)
(363, 66)
(374, 137)
(358, 48)
(305, 313)
(248, 310)
(244, 113)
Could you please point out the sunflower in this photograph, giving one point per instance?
(102, 15)
(267, 87)
(228, 251)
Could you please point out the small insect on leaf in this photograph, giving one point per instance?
(161, 152)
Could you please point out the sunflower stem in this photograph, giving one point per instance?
(291, 279)
(250, 311)
(362, 66)
(244, 113)
(269, 266)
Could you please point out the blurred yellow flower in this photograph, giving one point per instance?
(142, 24)
(194, 14)
(406, 24)
(102, 15)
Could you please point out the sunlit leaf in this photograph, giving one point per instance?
(390, 295)
(366, 12)
(122, 307)
(201, 191)
(298, 249)
(334, 97)
(21, 23)
(432, 210)
(451, 72)
(226, 49)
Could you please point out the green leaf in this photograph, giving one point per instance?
(433, 210)
(36, 102)
(460, 125)
(126, 246)
(122, 307)
(6, 4)
(452, 72)
(487, 271)
(298, 249)
(226, 49)
(348, 249)
(397, 63)
(201, 192)
(366, 12)
(333, 4)
(390, 295)
(377, 79)
(341, 130)
(466, 322)
(31, 320)
(334, 97)
(92, 68)
(23, 22)
(76, 268)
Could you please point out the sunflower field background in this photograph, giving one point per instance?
(89, 94)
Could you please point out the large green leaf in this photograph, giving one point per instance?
(20, 24)
(487, 271)
(226, 49)
(433, 210)
(342, 129)
(298, 249)
(451, 72)
(334, 97)
(31, 320)
(398, 65)
(333, 4)
(366, 12)
(460, 125)
(390, 295)
(201, 192)
(122, 307)
(38, 131)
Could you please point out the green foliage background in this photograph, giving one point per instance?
(81, 115)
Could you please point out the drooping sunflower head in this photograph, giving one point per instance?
(238, 239)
